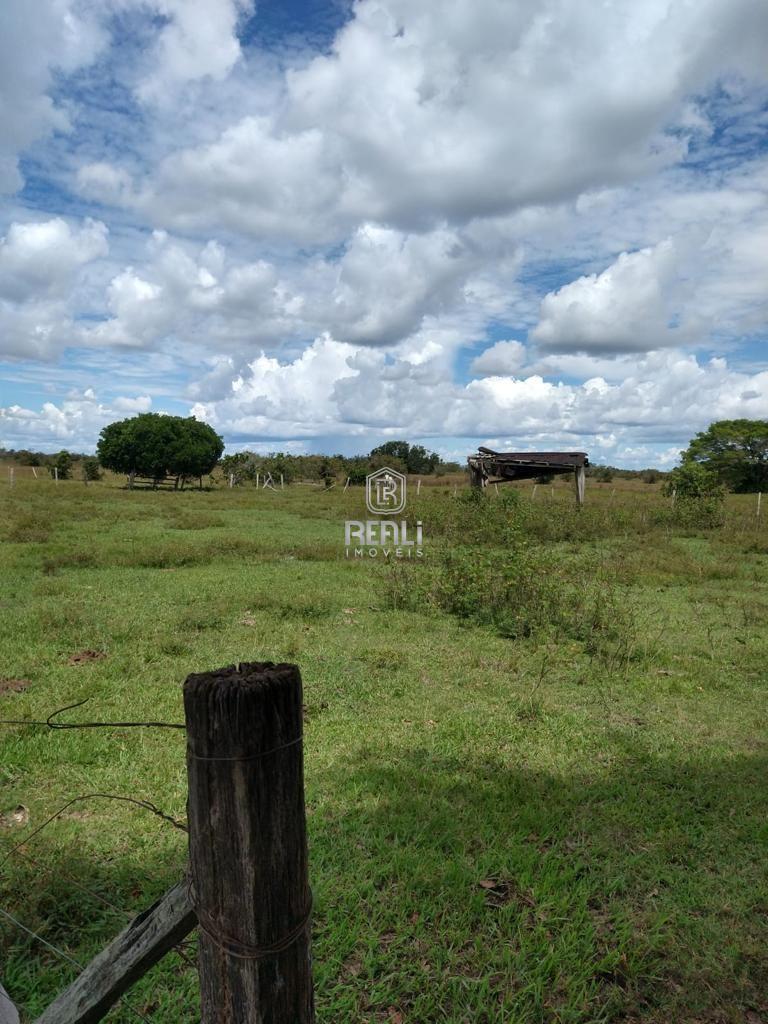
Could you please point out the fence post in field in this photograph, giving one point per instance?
(759, 498)
(248, 845)
(282, 483)
(418, 487)
(346, 485)
(533, 492)
(10, 476)
(56, 473)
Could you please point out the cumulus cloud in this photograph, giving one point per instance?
(34, 43)
(661, 397)
(377, 292)
(198, 40)
(505, 357)
(41, 258)
(292, 399)
(73, 423)
(422, 114)
(40, 264)
(439, 174)
(625, 308)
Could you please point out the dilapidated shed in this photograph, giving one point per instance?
(488, 466)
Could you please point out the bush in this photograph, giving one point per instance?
(91, 469)
(699, 497)
(520, 592)
(61, 466)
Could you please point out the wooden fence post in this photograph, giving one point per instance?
(247, 844)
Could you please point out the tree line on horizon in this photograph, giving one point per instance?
(729, 454)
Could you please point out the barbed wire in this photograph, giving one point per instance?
(50, 724)
(146, 805)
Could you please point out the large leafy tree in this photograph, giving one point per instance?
(414, 457)
(736, 451)
(156, 445)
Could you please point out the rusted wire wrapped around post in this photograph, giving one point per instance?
(248, 845)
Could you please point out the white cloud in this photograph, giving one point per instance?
(74, 423)
(39, 259)
(662, 397)
(505, 357)
(198, 40)
(105, 183)
(624, 309)
(427, 113)
(283, 399)
(142, 403)
(35, 41)
(439, 173)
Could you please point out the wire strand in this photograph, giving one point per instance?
(50, 724)
(64, 956)
(145, 804)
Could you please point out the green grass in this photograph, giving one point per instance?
(529, 830)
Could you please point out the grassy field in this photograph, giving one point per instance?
(554, 814)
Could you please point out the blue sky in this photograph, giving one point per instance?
(325, 224)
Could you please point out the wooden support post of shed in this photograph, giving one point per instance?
(579, 477)
(247, 844)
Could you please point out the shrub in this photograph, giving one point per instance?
(61, 466)
(698, 495)
(521, 592)
(91, 469)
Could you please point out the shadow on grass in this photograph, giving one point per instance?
(463, 889)
(466, 889)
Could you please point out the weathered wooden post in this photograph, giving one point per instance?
(248, 845)
(579, 477)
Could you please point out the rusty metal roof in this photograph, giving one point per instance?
(554, 460)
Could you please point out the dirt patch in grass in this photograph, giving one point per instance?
(84, 657)
(14, 685)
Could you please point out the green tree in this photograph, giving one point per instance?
(61, 466)
(156, 445)
(414, 457)
(736, 451)
(195, 449)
